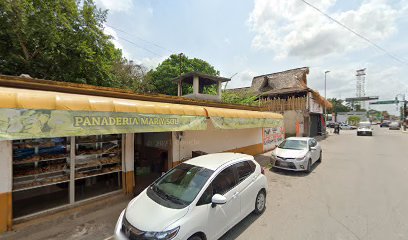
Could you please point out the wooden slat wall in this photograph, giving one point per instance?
(280, 105)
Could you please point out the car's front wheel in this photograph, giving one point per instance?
(309, 166)
(195, 237)
(260, 202)
(320, 157)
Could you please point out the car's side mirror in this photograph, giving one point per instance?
(218, 199)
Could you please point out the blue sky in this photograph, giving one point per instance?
(255, 37)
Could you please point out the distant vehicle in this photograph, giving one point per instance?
(345, 126)
(394, 126)
(331, 124)
(297, 154)
(199, 199)
(385, 124)
(364, 128)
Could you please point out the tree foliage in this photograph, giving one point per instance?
(59, 40)
(243, 98)
(338, 105)
(161, 77)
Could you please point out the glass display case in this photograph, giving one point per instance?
(97, 155)
(40, 162)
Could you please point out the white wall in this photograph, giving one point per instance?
(6, 161)
(214, 140)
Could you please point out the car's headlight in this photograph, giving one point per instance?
(166, 235)
(301, 158)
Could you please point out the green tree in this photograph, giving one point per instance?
(243, 98)
(161, 77)
(353, 120)
(59, 40)
(338, 105)
(132, 76)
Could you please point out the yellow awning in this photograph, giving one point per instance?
(33, 99)
(235, 113)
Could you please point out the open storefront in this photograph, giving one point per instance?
(59, 149)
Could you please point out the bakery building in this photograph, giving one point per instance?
(64, 144)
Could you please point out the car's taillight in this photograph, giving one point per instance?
(262, 170)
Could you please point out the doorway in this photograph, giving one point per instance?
(152, 156)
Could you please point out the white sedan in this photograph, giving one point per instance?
(297, 154)
(199, 199)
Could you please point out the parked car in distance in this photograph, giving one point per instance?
(345, 126)
(394, 126)
(199, 199)
(331, 124)
(385, 124)
(364, 128)
(297, 154)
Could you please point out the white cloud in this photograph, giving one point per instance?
(115, 40)
(291, 28)
(242, 79)
(116, 5)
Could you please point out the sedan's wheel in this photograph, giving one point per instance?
(260, 202)
(320, 157)
(195, 237)
(309, 166)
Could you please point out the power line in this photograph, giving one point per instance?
(137, 45)
(144, 40)
(356, 33)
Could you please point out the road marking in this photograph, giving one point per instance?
(109, 238)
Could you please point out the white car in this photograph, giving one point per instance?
(297, 154)
(199, 199)
(364, 128)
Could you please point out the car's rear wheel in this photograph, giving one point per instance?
(260, 202)
(309, 166)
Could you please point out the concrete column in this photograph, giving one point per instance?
(129, 163)
(219, 89)
(196, 85)
(6, 181)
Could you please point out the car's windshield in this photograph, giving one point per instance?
(293, 144)
(181, 185)
(364, 125)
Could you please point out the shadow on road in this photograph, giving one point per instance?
(293, 173)
(238, 229)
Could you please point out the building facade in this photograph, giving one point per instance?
(65, 144)
(287, 93)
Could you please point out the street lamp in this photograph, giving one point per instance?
(325, 95)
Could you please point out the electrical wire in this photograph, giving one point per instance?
(141, 47)
(144, 40)
(356, 33)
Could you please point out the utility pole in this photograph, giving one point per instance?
(325, 95)
(180, 93)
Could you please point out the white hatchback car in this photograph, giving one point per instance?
(297, 154)
(199, 199)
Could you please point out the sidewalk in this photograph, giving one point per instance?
(94, 220)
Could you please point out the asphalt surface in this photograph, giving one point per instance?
(359, 191)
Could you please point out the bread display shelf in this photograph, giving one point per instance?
(25, 145)
(40, 183)
(39, 158)
(97, 172)
(98, 163)
(101, 141)
(40, 171)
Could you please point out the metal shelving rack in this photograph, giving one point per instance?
(41, 162)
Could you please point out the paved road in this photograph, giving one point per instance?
(360, 191)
